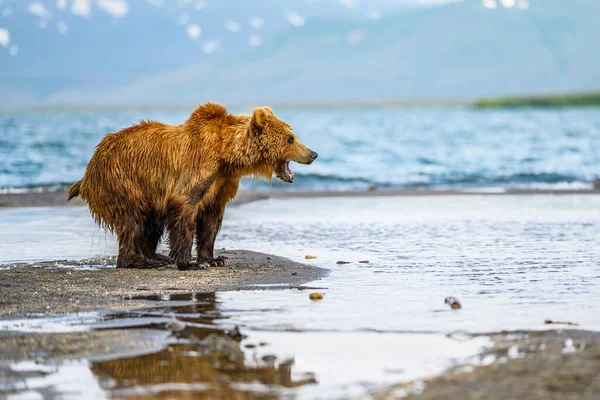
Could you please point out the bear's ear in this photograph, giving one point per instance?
(260, 116)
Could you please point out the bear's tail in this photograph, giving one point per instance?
(74, 191)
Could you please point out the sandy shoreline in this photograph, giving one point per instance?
(43, 291)
(49, 287)
(552, 364)
(58, 198)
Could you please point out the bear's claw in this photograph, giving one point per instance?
(220, 261)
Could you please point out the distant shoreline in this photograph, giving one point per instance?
(58, 198)
(541, 101)
(350, 104)
(553, 100)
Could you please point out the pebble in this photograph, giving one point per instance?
(364, 261)
(309, 257)
(343, 262)
(235, 334)
(315, 296)
(453, 303)
(269, 358)
(549, 321)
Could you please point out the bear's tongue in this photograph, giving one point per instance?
(288, 172)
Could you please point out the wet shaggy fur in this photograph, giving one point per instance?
(152, 177)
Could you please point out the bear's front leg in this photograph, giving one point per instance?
(180, 220)
(207, 227)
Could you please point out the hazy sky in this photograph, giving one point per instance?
(55, 14)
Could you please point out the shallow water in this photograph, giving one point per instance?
(357, 148)
(513, 261)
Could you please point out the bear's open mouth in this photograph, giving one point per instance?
(285, 173)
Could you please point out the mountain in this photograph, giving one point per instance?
(458, 50)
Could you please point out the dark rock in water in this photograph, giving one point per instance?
(302, 287)
(453, 303)
(549, 321)
(235, 334)
(343, 262)
(287, 362)
(269, 359)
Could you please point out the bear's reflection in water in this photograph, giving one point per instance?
(204, 363)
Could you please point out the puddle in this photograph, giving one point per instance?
(204, 352)
(199, 355)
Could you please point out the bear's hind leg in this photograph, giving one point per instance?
(153, 230)
(180, 219)
(130, 235)
(130, 240)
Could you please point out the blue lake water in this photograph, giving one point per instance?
(358, 148)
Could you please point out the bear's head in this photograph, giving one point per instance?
(277, 144)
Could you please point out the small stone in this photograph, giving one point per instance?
(315, 296)
(364, 261)
(269, 358)
(453, 303)
(309, 257)
(294, 273)
(287, 362)
(235, 334)
(343, 262)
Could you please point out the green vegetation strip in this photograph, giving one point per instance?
(567, 100)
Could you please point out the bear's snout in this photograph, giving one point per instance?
(313, 156)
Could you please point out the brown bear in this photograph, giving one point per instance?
(153, 176)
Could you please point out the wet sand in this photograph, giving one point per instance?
(58, 198)
(48, 288)
(125, 355)
(554, 364)
(55, 290)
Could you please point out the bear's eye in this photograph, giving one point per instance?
(291, 140)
